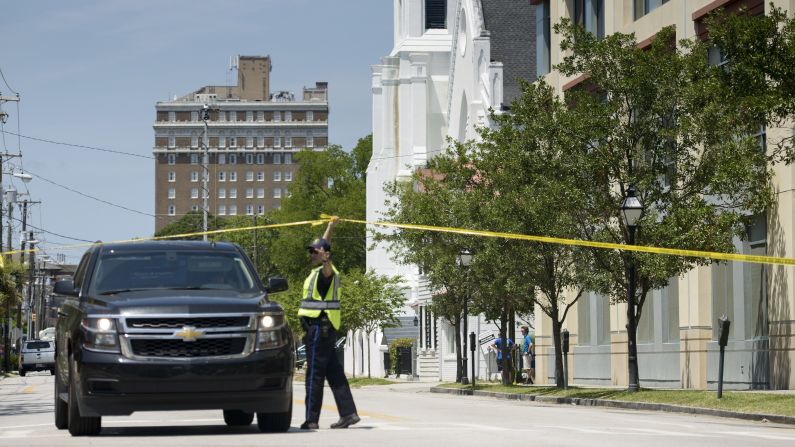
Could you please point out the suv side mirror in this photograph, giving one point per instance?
(65, 287)
(276, 284)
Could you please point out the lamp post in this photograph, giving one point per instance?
(464, 259)
(631, 209)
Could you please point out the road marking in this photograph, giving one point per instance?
(15, 434)
(386, 417)
(29, 389)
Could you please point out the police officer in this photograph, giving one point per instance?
(320, 318)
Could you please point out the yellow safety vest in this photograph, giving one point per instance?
(313, 303)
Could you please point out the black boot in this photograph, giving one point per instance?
(346, 421)
(309, 426)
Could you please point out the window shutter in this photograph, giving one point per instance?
(435, 14)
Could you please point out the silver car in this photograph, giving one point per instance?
(37, 355)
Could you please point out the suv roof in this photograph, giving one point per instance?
(167, 245)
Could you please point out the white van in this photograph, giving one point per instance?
(37, 355)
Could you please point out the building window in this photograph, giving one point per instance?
(249, 210)
(172, 210)
(260, 141)
(232, 116)
(194, 159)
(249, 176)
(288, 141)
(232, 159)
(277, 116)
(249, 142)
(277, 176)
(172, 159)
(194, 208)
(172, 176)
(233, 193)
(233, 210)
(194, 141)
(277, 193)
(261, 176)
(277, 141)
(260, 209)
(543, 39)
(194, 176)
(435, 14)
(310, 115)
(288, 176)
(310, 141)
(590, 14)
(260, 159)
(288, 159)
(172, 193)
(194, 193)
(221, 176)
(222, 210)
(260, 116)
(277, 159)
(288, 115)
(233, 176)
(221, 141)
(643, 7)
(249, 193)
(221, 193)
(232, 141)
(221, 159)
(286, 192)
(172, 142)
(249, 116)
(260, 193)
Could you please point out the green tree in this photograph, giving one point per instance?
(192, 222)
(372, 302)
(656, 119)
(11, 276)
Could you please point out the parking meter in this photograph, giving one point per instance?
(723, 327)
(472, 341)
(565, 335)
(565, 348)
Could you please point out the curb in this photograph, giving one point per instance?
(619, 404)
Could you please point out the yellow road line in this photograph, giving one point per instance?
(29, 389)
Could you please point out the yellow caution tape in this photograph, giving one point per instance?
(581, 243)
(483, 233)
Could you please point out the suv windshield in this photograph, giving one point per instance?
(119, 272)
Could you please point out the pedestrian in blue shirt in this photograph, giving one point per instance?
(497, 346)
(528, 356)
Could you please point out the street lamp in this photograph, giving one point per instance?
(464, 259)
(631, 209)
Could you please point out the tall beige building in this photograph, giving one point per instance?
(677, 335)
(253, 135)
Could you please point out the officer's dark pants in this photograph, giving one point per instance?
(321, 364)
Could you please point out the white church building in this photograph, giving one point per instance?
(452, 61)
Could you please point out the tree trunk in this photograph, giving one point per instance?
(506, 365)
(556, 327)
(512, 336)
(353, 353)
(458, 359)
(368, 355)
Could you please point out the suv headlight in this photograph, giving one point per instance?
(269, 331)
(100, 334)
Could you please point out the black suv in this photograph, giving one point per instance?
(172, 325)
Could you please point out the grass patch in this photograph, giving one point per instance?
(358, 382)
(740, 401)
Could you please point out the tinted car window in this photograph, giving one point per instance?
(173, 269)
(37, 345)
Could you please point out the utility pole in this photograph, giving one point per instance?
(23, 243)
(206, 169)
(31, 274)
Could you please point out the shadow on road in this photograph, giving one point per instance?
(183, 430)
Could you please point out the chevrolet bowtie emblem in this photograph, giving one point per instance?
(189, 333)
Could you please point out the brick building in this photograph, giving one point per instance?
(253, 135)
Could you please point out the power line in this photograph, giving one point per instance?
(89, 196)
(50, 232)
(6, 82)
(80, 146)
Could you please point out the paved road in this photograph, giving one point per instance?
(404, 415)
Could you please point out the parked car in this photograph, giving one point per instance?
(300, 352)
(37, 355)
(171, 325)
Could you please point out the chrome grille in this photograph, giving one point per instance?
(171, 348)
(177, 323)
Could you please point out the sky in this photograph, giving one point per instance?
(90, 72)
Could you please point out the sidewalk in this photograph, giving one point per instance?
(624, 404)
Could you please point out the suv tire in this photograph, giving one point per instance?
(79, 425)
(237, 418)
(275, 422)
(61, 407)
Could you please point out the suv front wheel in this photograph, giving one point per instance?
(79, 425)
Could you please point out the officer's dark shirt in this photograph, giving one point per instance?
(323, 284)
